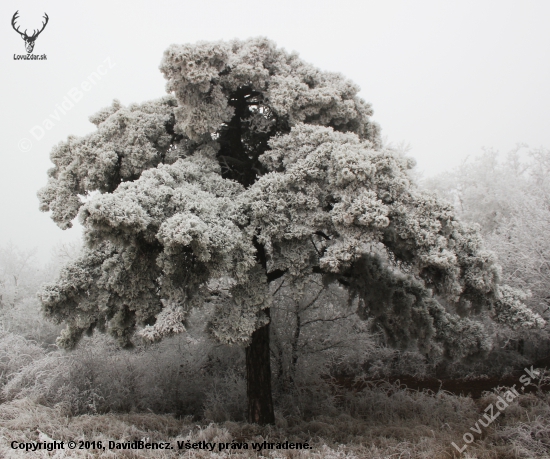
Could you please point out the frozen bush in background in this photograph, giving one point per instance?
(25, 319)
(226, 399)
(316, 331)
(98, 377)
(16, 353)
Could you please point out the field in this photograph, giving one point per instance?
(99, 393)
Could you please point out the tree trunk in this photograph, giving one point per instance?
(258, 378)
(521, 346)
(294, 347)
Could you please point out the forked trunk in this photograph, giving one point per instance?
(258, 378)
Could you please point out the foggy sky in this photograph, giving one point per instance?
(446, 77)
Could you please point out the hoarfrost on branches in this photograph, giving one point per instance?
(258, 165)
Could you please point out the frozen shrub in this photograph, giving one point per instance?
(25, 318)
(16, 353)
(226, 399)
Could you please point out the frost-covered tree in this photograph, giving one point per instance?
(486, 189)
(315, 332)
(257, 166)
(509, 197)
(19, 275)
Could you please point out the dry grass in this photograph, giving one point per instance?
(522, 432)
(98, 393)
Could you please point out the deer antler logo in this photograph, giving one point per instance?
(29, 41)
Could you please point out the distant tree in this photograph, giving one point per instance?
(486, 189)
(509, 197)
(315, 331)
(254, 167)
(62, 254)
(20, 275)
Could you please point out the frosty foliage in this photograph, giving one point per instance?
(169, 322)
(128, 141)
(508, 196)
(206, 76)
(258, 165)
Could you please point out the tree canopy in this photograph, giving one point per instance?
(254, 166)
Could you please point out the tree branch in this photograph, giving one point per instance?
(334, 319)
(274, 275)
